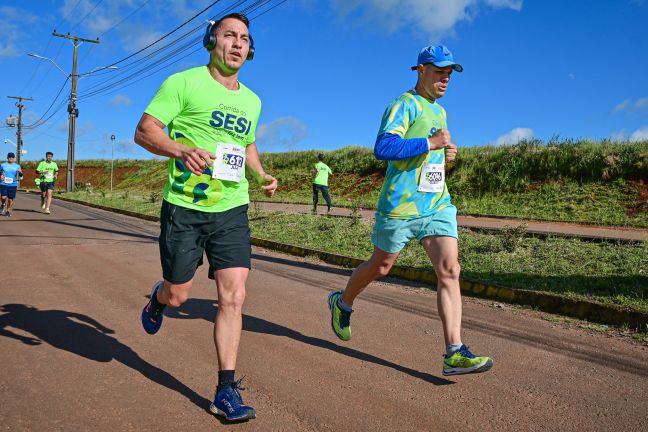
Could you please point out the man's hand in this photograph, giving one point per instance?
(439, 140)
(270, 185)
(451, 152)
(196, 159)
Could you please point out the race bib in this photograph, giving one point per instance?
(8, 180)
(49, 174)
(432, 178)
(229, 162)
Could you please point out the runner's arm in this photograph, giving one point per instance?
(253, 163)
(150, 135)
(392, 147)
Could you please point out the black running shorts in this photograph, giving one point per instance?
(186, 234)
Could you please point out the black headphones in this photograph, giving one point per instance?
(209, 40)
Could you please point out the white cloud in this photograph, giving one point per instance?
(618, 136)
(283, 133)
(640, 134)
(135, 36)
(435, 18)
(121, 99)
(13, 22)
(516, 5)
(632, 106)
(125, 145)
(514, 136)
(81, 128)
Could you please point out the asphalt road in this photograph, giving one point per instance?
(74, 357)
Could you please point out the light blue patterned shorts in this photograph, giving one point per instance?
(391, 235)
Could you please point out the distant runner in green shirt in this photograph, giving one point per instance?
(47, 171)
(211, 119)
(320, 183)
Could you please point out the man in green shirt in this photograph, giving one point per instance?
(211, 120)
(320, 183)
(47, 170)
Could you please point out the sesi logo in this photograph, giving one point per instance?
(230, 122)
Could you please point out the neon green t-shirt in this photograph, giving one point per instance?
(198, 111)
(47, 170)
(323, 171)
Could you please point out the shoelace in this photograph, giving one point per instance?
(155, 312)
(466, 352)
(345, 318)
(236, 387)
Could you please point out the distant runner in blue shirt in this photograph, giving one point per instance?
(10, 173)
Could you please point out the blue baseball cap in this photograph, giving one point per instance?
(439, 56)
(10, 155)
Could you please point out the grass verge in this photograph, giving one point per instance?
(606, 272)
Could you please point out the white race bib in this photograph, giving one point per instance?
(229, 162)
(8, 180)
(49, 174)
(432, 178)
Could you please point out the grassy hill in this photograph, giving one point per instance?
(584, 181)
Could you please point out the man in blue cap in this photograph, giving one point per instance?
(414, 203)
(10, 173)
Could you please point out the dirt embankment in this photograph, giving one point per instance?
(96, 177)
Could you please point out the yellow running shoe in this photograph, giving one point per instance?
(463, 361)
(340, 319)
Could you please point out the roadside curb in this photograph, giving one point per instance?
(544, 301)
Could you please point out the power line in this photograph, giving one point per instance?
(47, 47)
(86, 15)
(38, 122)
(116, 82)
(166, 35)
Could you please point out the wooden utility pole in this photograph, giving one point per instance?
(20, 106)
(72, 110)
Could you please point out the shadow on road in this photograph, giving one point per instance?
(206, 309)
(81, 335)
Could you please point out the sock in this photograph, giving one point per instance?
(344, 306)
(450, 349)
(225, 379)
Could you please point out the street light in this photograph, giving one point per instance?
(8, 141)
(49, 60)
(112, 160)
(72, 108)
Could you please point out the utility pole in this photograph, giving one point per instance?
(20, 106)
(112, 160)
(72, 110)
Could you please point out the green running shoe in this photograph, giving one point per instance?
(340, 319)
(463, 361)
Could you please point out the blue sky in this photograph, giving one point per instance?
(325, 70)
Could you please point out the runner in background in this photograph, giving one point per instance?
(10, 174)
(47, 170)
(320, 183)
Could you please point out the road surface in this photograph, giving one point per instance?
(74, 357)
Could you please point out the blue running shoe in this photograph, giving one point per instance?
(152, 316)
(229, 405)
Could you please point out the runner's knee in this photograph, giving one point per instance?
(449, 270)
(231, 297)
(380, 268)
